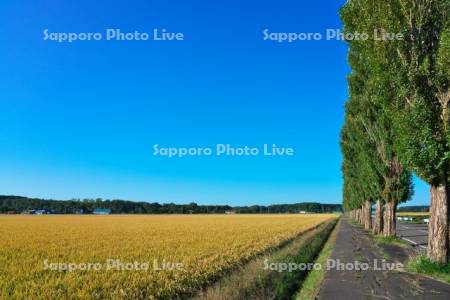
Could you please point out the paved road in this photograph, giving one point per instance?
(354, 244)
(416, 234)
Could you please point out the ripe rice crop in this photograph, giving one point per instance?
(413, 214)
(204, 246)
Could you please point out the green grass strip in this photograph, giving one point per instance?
(312, 284)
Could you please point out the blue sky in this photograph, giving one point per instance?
(80, 119)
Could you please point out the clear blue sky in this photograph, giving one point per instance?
(80, 119)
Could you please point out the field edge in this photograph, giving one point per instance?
(252, 281)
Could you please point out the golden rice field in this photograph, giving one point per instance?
(413, 214)
(204, 246)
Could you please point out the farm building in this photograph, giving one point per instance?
(102, 211)
(44, 212)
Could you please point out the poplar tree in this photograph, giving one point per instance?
(423, 108)
(409, 80)
(417, 70)
(372, 90)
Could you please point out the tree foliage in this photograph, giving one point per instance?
(371, 167)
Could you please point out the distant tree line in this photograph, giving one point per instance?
(414, 208)
(290, 208)
(20, 204)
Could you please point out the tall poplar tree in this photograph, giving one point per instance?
(423, 108)
(417, 69)
(371, 88)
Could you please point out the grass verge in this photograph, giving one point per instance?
(312, 283)
(356, 224)
(422, 265)
(255, 281)
(391, 240)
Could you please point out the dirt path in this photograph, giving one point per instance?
(354, 244)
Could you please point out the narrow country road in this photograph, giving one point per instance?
(416, 234)
(355, 245)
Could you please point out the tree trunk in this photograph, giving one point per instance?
(359, 216)
(378, 221)
(438, 238)
(361, 220)
(389, 218)
(367, 215)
